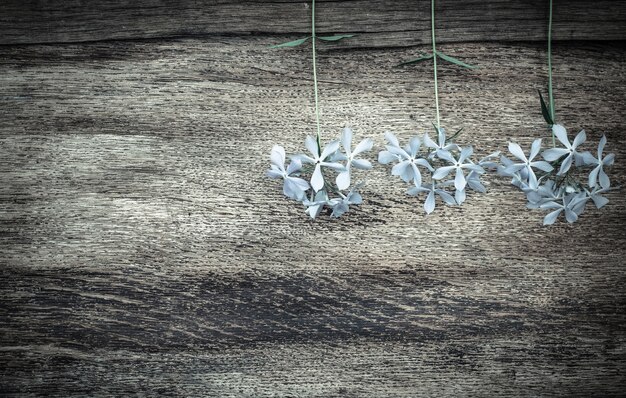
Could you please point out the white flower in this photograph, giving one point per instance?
(441, 144)
(598, 172)
(319, 160)
(429, 203)
(568, 153)
(528, 163)
(407, 157)
(458, 165)
(293, 187)
(343, 179)
(340, 205)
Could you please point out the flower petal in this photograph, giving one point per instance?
(553, 154)
(273, 173)
(489, 161)
(449, 199)
(294, 166)
(429, 142)
(391, 139)
(302, 184)
(514, 168)
(593, 176)
(459, 180)
(533, 198)
(474, 167)
(356, 198)
(516, 151)
(317, 179)
(541, 165)
(399, 168)
(442, 172)
(579, 139)
(361, 164)
(293, 189)
(386, 157)
(532, 179)
(407, 175)
(505, 161)
(476, 185)
(459, 196)
(429, 204)
(329, 149)
(303, 158)
(445, 155)
(414, 191)
(450, 147)
(424, 163)
(403, 169)
(346, 140)
(567, 163)
(363, 146)
(550, 218)
(579, 207)
(599, 201)
(605, 183)
(570, 215)
(586, 158)
(343, 179)
(535, 148)
(314, 210)
(277, 157)
(337, 157)
(335, 166)
(466, 153)
(601, 145)
(398, 151)
(561, 134)
(551, 205)
(290, 190)
(339, 209)
(414, 146)
(417, 176)
(311, 144)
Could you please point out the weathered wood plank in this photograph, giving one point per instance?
(141, 247)
(374, 333)
(379, 23)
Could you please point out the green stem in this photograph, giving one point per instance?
(550, 95)
(432, 25)
(317, 107)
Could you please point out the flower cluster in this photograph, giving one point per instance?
(319, 190)
(442, 159)
(556, 182)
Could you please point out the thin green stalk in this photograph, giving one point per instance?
(550, 95)
(432, 25)
(317, 107)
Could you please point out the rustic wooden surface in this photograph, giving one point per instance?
(142, 248)
(380, 23)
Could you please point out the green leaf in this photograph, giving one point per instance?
(418, 59)
(545, 111)
(455, 134)
(334, 38)
(291, 43)
(454, 60)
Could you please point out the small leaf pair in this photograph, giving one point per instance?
(295, 43)
(441, 55)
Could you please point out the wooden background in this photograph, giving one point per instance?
(143, 250)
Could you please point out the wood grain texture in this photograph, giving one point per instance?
(379, 23)
(142, 248)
